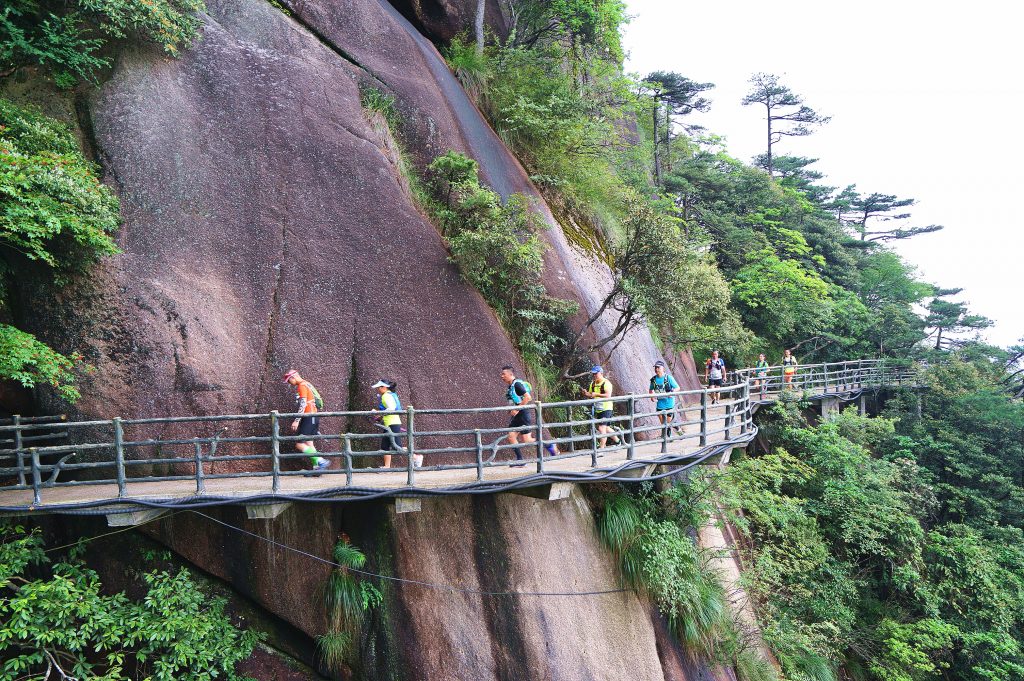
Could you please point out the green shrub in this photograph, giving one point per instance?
(29, 362)
(472, 68)
(53, 211)
(53, 208)
(658, 557)
(347, 599)
(60, 615)
(498, 249)
(68, 37)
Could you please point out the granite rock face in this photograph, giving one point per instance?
(449, 614)
(267, 226)
(442, 20)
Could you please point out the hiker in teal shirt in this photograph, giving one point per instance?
(662, 382)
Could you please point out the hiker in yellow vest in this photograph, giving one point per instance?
(603, 411)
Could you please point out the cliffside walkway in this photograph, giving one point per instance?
(131, 469)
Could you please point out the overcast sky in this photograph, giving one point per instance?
(926, 100)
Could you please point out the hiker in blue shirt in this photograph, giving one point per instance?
(520, 393)
(662, 382)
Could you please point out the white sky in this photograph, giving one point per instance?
(926, 99)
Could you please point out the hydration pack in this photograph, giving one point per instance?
(318, 401)
(511, 394)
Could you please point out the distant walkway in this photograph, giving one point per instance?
(124, 465)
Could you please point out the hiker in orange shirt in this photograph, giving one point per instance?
(306, 400)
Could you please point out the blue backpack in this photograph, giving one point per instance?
(511, 393)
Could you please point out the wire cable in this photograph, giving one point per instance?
(430, 585)
(86, 540)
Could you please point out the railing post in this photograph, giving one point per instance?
(410, 445)
(593, 439)
(703, 418)
(36, 478)
(746, 407)
(17, 447)
(275, 451)
(824, 368)
(479, 455)
(666, 428)
(347, 450)
(540, 436)
(728, 419)
(631, 451)
(198, 456)
(122, 485)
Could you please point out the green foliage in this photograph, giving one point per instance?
(29, 362)
(55, 42)
(590, 27)
(498, 249)
(472, 68)
(382, 103)
(69, 37)
(59, 615)
(890, 547)
(796, 276)
(659, 558)
(781, 299)
(347, 599)
(53, 211)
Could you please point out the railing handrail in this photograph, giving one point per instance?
(732, 417)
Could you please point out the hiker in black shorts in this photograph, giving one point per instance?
(714, 374)
(520, 392)
(603, 411)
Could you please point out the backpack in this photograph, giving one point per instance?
(664, 387)
(511, 394)
(398, 400)
(318, 401)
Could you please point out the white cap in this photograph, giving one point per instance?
(380, 384)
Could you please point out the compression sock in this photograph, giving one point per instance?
(312, 455)
(518, 453)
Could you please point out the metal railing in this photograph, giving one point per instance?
(200, 449)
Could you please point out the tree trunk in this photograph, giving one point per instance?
(657, 164)
(668, 137)
(481, 5)
(769, 142)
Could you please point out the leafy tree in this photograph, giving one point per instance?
(949, 318)
(781, 299)
(57, 620)
(880, 208)
(1015, 370)
(53, 211)
(68, 37)
(787, 114)
(672, 95)
(589, 28)
(794, 171)
(655, 278)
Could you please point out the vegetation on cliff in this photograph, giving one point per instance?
(56, 219)
(348, 599)
(70, 39)
(889, 548)
(56, 621)
(781, 260)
